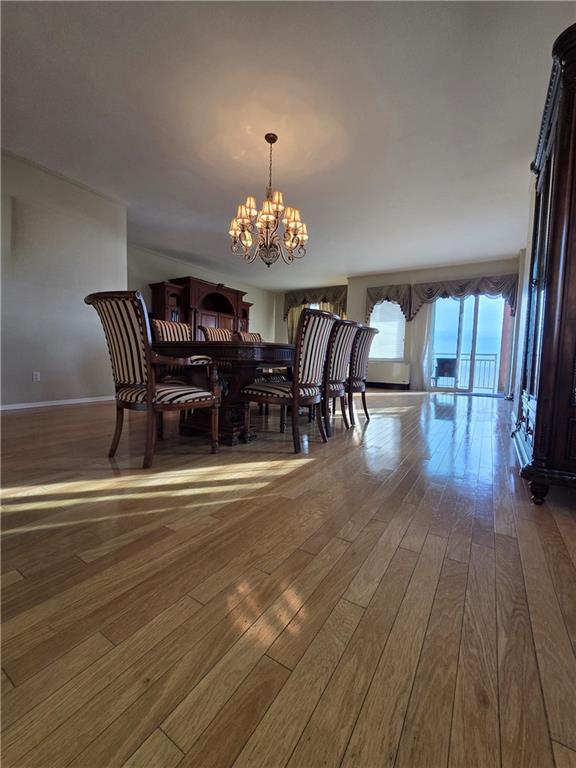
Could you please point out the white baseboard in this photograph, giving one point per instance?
(49, 403)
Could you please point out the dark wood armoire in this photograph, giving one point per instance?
(198, 302)
(545, 434)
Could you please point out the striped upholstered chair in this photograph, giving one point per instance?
(338, 368)
(216, 334)
(305, 389)
(255, 338)
(359, 368)
(169, 330)
(127, 330)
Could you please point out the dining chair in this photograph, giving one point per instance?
(255, 338)
(263, 375)
(359, 368)
(170, 330)
(305, 389)
(216, 334)
(337, 369)
(127, 330)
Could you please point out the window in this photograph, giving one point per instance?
(389, 343)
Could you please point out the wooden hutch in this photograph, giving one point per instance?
(545, 434)
(197, 302)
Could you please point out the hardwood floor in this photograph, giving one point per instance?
(391, 598)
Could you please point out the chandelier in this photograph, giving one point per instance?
(257, 233)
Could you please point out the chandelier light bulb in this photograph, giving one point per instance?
(277, 202)
(251, 206)
(235, 228)
(242, 215)
(267, 213)
(287, 215)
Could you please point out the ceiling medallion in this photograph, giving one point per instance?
(256, 233)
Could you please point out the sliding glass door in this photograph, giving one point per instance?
(467, 345)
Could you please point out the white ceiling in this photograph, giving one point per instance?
(406, 129)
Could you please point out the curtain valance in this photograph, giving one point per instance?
(399, 294)
(502, 285)
(333, 294)
(412, 297)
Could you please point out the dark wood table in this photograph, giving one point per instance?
(240, 362)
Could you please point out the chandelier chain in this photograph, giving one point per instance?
(270, 172)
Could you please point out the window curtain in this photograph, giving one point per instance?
(292, 320)
(421, 334)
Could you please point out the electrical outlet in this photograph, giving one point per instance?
(35, 375)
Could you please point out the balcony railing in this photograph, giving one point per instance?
(445, 373)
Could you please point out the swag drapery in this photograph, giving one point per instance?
(333, 294)
(412, 297)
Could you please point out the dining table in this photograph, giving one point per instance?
(239, 364)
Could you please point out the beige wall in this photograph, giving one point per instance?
(60, 242)
(145, 267)
(399, 372)
(281, 330)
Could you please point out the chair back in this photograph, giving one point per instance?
(340, 350)
(361, 352)
(216, 334)
(169, 330)
(312, 337)
(255, 338)
(127, 330)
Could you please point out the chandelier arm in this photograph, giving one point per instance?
(250, 255)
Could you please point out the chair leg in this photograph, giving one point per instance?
(160, 419)
(150, 438)
(344, 414)
(310, 414)
(117, 431)
(261, 409)
(365, 406)
(282, 419)
(326, 414)
(295, 430)
(246, 421)
(267, 409)
(351, 408)
(214, 426)
(334, 406)
(321, 423)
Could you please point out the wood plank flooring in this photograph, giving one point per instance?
(391, 598)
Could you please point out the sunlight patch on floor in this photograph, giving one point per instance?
(236, 481)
